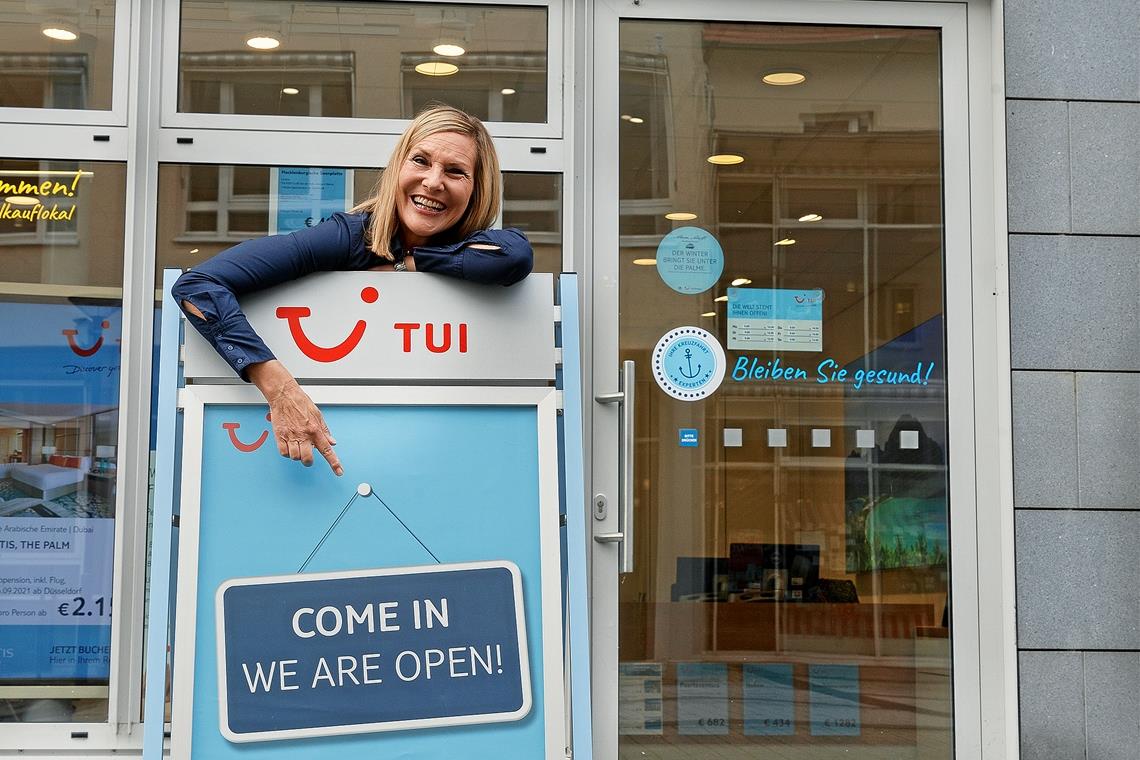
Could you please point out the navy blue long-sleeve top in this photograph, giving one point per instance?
(336, 244)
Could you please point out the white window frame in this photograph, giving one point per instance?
(117, 115)
(984, 648)
(552, 128)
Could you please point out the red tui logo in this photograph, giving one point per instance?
(294, 315)
(79, 350)
(232, 428)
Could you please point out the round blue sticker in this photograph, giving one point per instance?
(688, 363)
(690, 260)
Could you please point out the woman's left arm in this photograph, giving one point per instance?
(491, 257)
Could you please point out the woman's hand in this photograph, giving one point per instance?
(297, 423)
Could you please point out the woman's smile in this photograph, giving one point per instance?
(435, 183)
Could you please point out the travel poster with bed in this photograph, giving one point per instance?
(402, 610)
(59, 397)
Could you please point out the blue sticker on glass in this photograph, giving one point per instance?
(689, 437)
(690, 260)
(688, 363)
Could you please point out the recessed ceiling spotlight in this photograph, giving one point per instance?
(449, 49)
(194, 250)
(626, 117)
(785, 241)
(60, 31)
(681, 216)
(741, 281)
(262, 41)
(636, 120)
(436, 68)
(290, 91)
(720, 299)
(645, 262)
(784, 78)
(810, 218)
(709, 314)
(725, 159)
(507, 91)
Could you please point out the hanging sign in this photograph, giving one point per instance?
(380, 650)
(690, 260)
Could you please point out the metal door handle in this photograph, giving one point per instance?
(625, 398)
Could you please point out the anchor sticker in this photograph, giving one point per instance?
(294, 315)
(689, 363)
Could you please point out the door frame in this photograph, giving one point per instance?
(981, 510)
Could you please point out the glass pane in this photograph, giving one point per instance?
(193, 224)
(57, 55)
(792, 584)
(362, 59)
(61, 289)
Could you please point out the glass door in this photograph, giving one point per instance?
(774, 256)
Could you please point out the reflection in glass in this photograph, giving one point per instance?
(792, 582)
(362, 59)
(56, 55)
(61, 239)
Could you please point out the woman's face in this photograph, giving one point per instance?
(434, 186)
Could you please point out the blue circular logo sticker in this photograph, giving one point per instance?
(688, 363)
(690, 260)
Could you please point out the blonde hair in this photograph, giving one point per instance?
(483, 207)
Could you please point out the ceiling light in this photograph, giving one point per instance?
(720, 299)
(681, 216)
(785, 241)
(725, 159)
(60, 31)
(507, 91)
(290, 90)
(645, 262)
(22, 200)
(784, 78)
(436, 68)
(626, 117)
(450, 49)
(810, 218)
(709, 314)
(194, 250)
(262, 41)
(636, 120)
(741, 281)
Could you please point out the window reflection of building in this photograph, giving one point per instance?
(285, 84)
(43, 80)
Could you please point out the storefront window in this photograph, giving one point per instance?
(206, 208)
(56, 55)
(791, 586)
(61, 244)
(362, 59)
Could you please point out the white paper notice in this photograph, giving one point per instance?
(769, 319)
(639, 698)
(702, 698)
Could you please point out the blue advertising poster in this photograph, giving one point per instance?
(775, 319)
(690, 260)
(834, 694)
(339, 653)
(769, 700)
(305, 196)
(702, 698)
(59, 391)
(451, 487)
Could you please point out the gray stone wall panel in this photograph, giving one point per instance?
(1044, 439)
(1052, 705)
(1076, 579)
(1112, 705)
(1108, 440)
(1105, 167)
(1075, 302)
(1037, 157)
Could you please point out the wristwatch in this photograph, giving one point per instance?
(400, 266)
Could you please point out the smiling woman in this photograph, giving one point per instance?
(432, 214)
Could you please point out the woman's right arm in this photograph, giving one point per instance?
(208, 294)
